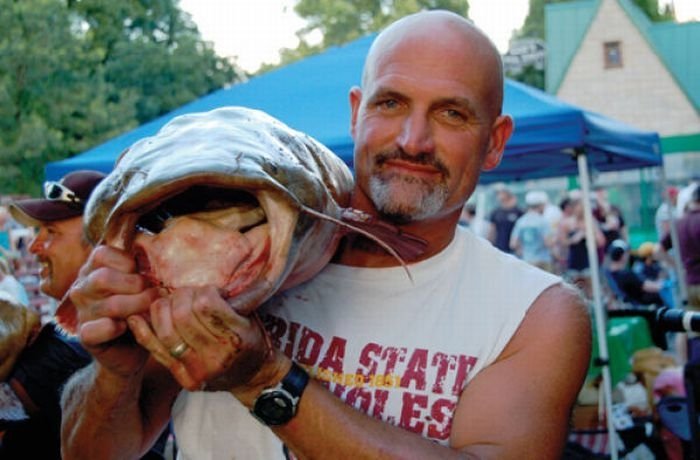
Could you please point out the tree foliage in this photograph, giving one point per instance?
(534, 21)
(341, 21)
(654, 12)
(75, 73)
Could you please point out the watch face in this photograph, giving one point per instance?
(274, 408)
(277, 406)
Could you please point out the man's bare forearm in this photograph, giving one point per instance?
(325, 424)
(349, 433)
(101, 416)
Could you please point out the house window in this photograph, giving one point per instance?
(613, 54)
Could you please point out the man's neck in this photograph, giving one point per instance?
(359, 251)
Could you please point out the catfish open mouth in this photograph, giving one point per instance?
(286, 190)
(208, 236)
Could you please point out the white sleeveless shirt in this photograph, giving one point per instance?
(399, 349)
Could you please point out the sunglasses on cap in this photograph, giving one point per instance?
(55, 191)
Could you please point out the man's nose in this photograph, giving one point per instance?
(36, 246)
(416, 135)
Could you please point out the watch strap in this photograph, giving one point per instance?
(295, 381)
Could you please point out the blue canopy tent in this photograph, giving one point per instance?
(551, 138)
(312, 96)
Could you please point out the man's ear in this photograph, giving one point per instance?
(355, 100)
(500, 133)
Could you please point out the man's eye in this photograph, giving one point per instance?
(388, 104)
(455, 114)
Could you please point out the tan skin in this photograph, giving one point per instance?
(61, 251)
(418, 101)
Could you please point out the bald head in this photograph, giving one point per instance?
(427, 119)
(445, 34)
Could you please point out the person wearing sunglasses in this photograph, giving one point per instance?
(51, 356)
(58, 217)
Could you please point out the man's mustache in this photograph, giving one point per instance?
(422, 159)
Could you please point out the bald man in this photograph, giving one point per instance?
(478, 355)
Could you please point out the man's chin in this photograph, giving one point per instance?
(47, 290)
(402, 202)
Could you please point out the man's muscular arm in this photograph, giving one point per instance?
(117, 406)
(109, 416)
(519, 407)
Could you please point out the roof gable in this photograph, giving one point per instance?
(675, 44)
(565, 25)
(678, 47)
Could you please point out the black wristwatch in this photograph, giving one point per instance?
(277, 405)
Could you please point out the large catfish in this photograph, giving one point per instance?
(232, 198)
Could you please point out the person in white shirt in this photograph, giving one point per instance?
(532, 237)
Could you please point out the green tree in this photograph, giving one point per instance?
(531, 76)
(341, 21)
(151, 47)
(654, 12)
(74, 73)
(50, 103)
(534, 21)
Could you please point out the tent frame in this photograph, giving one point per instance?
(599, 311)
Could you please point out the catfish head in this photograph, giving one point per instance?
(230, 198)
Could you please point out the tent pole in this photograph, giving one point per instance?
(599, 311)
(676, 252)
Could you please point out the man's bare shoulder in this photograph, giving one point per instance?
(561, 298)
(559, 316)
(536, 377)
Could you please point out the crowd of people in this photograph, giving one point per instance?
(548, 235)
(643, 278)
(553, 237)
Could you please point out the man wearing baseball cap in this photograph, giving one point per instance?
(51, 356)
(59, 244)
